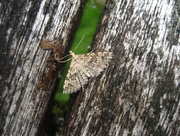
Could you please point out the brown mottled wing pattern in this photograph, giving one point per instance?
(75, 79)
(96, 62)
(84, 66)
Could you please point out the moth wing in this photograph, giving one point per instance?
(75, 78)
(94, 63)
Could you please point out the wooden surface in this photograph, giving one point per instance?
(138, 94)
(23, 24)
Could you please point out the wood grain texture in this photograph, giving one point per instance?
(139, 92)
(23, 25)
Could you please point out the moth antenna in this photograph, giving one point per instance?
(92, 51)
(64, 61)
(64, 56)
(79, 42)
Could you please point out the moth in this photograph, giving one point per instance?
(84, 66)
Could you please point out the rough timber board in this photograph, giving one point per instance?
(139, 93)
(23, 25)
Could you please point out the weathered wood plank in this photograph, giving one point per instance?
(139, 93)
(23, 25)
